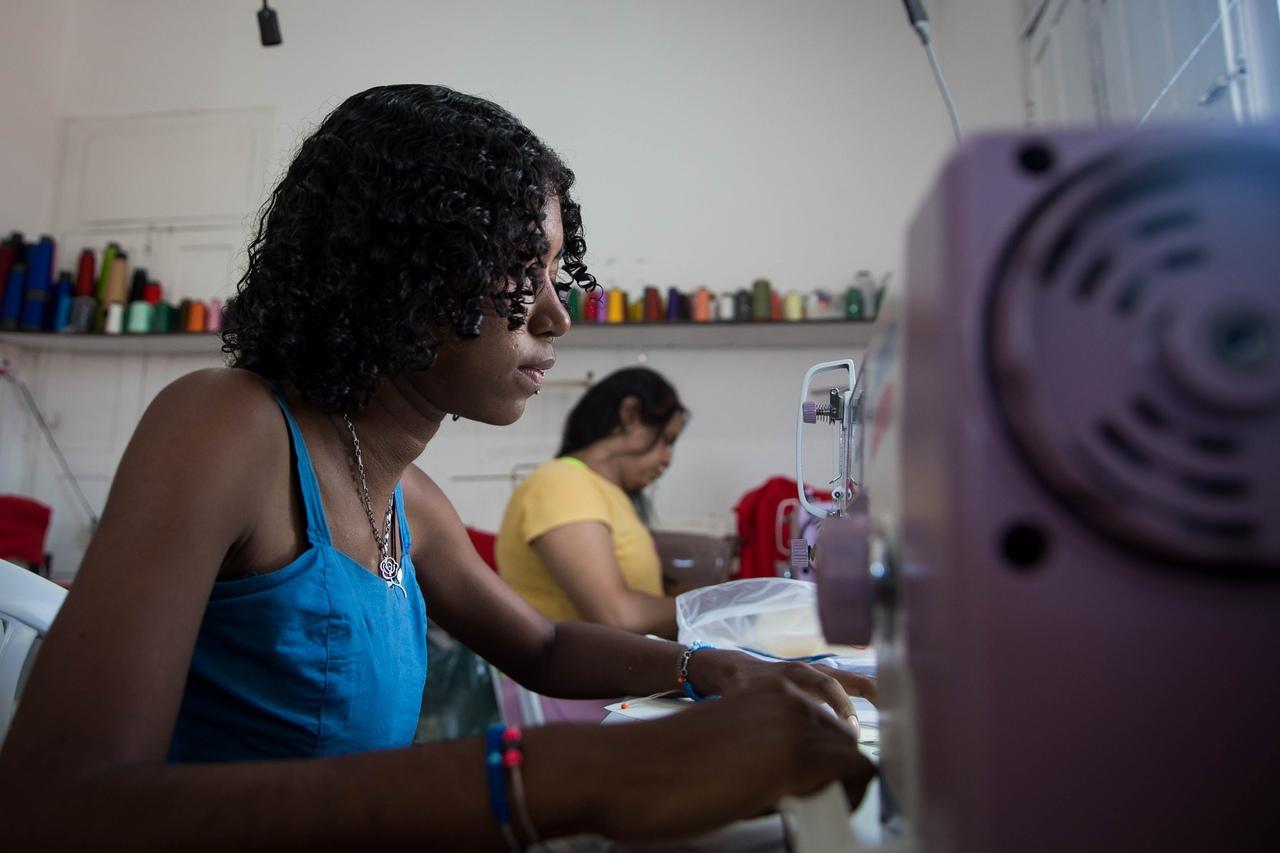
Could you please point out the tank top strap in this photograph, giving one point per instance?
(406, 541)
(317, 524)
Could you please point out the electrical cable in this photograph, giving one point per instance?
(920, 23)
(1194, 53)
(30, 402)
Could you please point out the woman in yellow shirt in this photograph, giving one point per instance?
(571, 542)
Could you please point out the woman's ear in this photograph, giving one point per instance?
(629, 413)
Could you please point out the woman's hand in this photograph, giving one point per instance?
(717, 672)
(731, 759)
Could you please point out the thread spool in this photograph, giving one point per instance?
(184, 311)
(139, 317)
(195, 317)
(13, 296)
(819, 305)
(742, 305)
(213, 318)
(635, 312)
(162, 318)
(108, 263)
(853, 304)
(617, 306)
(573, 304)
(673, 304)
(589, 306)
(793, 306)
(62, 300)
(775, 305)
(713, 307)
(653, 310)
(113, 323)
(7, 259)
(39, 283)
(84, 273)
(138, 285)
(152, 292)
(701, 305)
(725, 308)
(83, 309)
(760, 307)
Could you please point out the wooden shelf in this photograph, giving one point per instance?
(195, 343)
(817, 333)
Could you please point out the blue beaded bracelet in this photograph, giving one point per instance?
(496, 773)
(682, 676)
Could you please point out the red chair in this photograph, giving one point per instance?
(484, 545)
(24, 524)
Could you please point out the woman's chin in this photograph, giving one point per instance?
(499, 415)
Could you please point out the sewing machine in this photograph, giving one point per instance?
(1066, 540)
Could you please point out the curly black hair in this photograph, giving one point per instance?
(410, 212)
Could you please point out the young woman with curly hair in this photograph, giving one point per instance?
(240, 661)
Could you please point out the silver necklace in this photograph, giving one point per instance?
(388, 568)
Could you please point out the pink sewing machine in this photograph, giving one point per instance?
(1066, 540)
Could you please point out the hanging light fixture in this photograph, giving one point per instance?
(268, 26)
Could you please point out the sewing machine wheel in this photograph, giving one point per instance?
(1134, 348)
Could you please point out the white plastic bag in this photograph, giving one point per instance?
(777, 616)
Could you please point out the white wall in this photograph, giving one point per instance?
(715, 142)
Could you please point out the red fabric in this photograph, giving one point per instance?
(23, 525)
(484, 543)
(757, 513)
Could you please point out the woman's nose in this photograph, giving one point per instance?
(547, 315)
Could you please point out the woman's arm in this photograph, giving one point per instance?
(573, 659)
(580, 558)
(83, 765)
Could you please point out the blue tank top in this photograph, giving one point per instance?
(317, 658)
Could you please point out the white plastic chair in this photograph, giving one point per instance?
(28, 604)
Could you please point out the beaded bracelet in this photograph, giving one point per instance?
(512, 759)
(682, 675)
(494, 764)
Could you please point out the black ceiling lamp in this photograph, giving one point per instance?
(268, 26)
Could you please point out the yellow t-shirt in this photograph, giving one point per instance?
(564, 491)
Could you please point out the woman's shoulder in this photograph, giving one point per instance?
(557, 474)
(217, 405)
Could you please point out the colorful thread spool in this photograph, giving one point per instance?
(195, 317)
(652, 305)
(853, 307)
(673, 304)
(760, 302)
(702, 305)
(725, 308)
(139, 318)
(742, 305)
(213, 319)
(8, 257)
(62, 302)
(617, 306)
(13, 296)
(793, 306)
(573, 304)
(104, 281)
(84, 273)
(38, 298)
(820, 306)
(113, 323)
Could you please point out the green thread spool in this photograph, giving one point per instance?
(853, 308)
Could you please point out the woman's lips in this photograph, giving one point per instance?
(534, 375)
